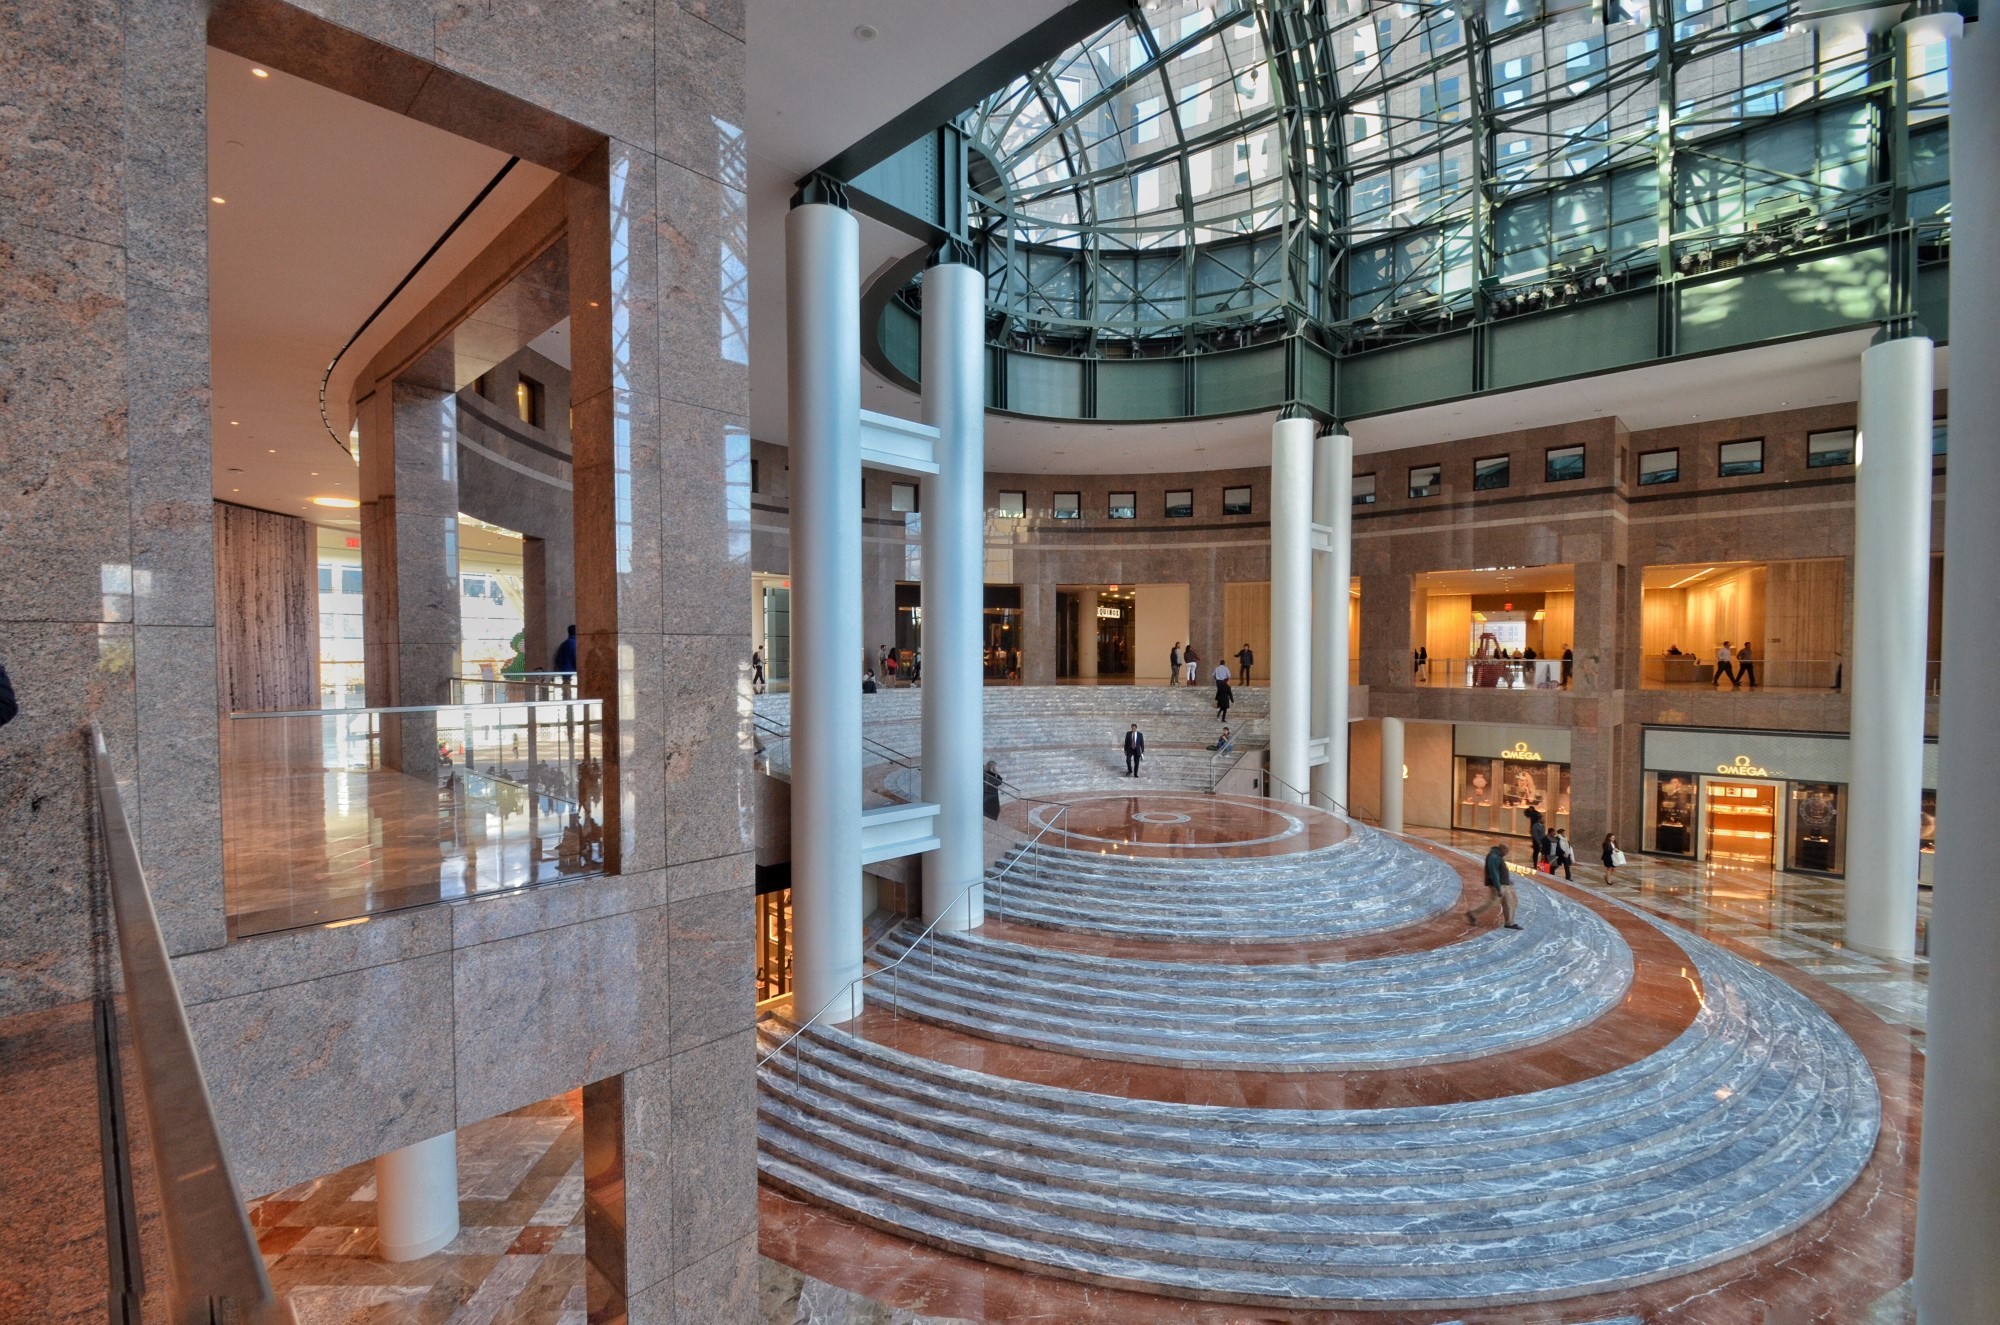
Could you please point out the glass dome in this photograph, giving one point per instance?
(1202, 175)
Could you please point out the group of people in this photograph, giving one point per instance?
(1552, 850)
(1738, 665)
(1184, 665)
(886, 658)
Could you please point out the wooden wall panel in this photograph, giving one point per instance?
(1559, 623)
(1805, 608)
(1447, 625)
(1246, 615)
(266, 611)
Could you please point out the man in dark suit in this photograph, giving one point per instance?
(1135, 750)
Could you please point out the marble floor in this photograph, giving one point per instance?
(518, 1258)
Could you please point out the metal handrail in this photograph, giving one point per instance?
(772, 727)
(1308, 796)
(245, 714)
(847, 990)
(217, 1272)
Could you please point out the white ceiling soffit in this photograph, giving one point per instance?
(327, 203)
(814, 88)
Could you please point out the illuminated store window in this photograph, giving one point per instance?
(1067, 506)
(528, 401)
(1180, 503)
(1739, 458)
(1426, 480)
(1121, 505)
(1659, 467)
(1561, 464)
(1487, 474)
(1236, 501)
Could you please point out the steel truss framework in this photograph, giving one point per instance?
(1202, 176)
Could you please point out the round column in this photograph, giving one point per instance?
(823, 329)
(1333, 507)
(1291, 605)
(1958, 1221)
(1392, 774)
(1086, 635)
(1892, 556)
(416, 1198)
(954, 591)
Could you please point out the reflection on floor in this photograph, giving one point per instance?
(518, 1259)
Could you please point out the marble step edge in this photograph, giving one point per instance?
(1322, 1190)
(1291, 893)
(1391, 1256)
(1211, 932)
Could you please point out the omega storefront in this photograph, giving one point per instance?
(1499, 771)
(1775, 800)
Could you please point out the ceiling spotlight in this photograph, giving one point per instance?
(217, 199)
(338, 503)
(234, 424)
(260, 73)
(272, 451)
(865, 33)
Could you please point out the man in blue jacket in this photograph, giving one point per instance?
(1500, 884)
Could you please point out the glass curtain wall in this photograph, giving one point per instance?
(1198, 176)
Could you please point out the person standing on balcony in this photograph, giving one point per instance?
(1725, 664)
(1243, 660)
(1174, 665)
(1746, 666)
(1135, 750)
(566, 654)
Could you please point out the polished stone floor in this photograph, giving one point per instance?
(518, 1258)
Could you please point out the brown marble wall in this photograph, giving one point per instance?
(327, 1046)
(266, 610)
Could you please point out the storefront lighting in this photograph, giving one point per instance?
(338, 503)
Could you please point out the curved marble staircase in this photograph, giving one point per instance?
(1741, 1129)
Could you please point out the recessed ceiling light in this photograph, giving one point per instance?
(865, 33)
(314, 474)
(217, 199)
(260, 73)
(232, 423)
(339, 503)
(272, 450)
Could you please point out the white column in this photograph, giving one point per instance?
(1392, 774)
(1885, 679)
(823, 328)
(1291, 605)
(416, 1198)
(1333, 507)
(1958, 1221)
(954, 591)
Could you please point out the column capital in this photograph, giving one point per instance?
(821, 188)
(951, 251)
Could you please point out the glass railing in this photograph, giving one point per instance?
(519, 687)
(336, 814)
(179, 1234)
(1491, 673)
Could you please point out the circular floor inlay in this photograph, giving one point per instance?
(1166, 820)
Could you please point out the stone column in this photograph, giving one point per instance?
(1885, 678)
(954, 390)
(1086, 634)
(409, 558)
(823, 326)
(416, 1198)
(1291, 605)
(1392, 775)
(1333, 507)
(1958, 1222)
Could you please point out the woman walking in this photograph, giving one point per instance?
(1613, 857)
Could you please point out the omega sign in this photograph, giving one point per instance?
(1742, 768)
(1522, 752)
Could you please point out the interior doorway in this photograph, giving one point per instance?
(1740, 821)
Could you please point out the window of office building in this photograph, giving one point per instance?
(1425, 480)
(528, 401)
(1067, 506)
(902, 496)
(1121, 505)
(1487, 474)
(1236, 501)
(1364, 489)
(1180, 503)
(1830, 448)
(1659, 467)
(1011, 505)
(1563, 463)
(1739, 458)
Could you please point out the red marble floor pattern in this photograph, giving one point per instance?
(1181, 826)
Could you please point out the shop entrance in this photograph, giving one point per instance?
(1740, 821)
(1094, 633)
